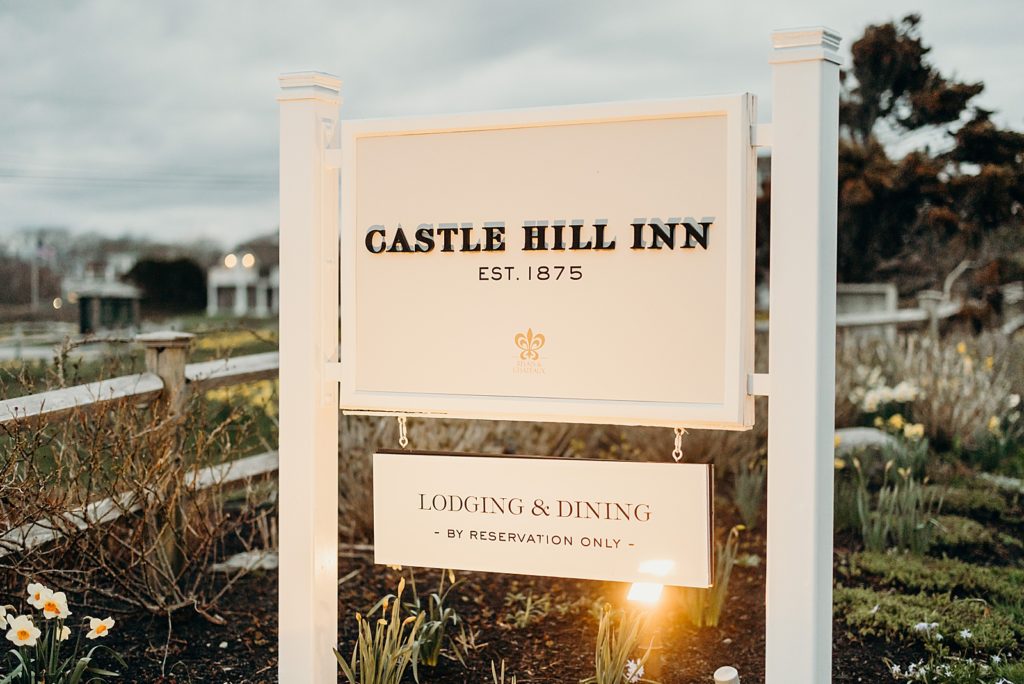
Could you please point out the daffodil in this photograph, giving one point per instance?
(896, 421)
(913, 431)
(879, 422)
(961, 348)
(37, 595)
(56, 606)
(99, 628)
(22, 632)
(64, 633)
(838, 440)
(839, 463)
(993, 425)
(634, 671)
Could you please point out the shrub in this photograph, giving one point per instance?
(703, 607)
(618, 636)
(978, 503)
(382, 653)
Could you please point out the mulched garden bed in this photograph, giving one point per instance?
(555, 648)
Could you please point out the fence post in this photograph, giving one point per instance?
(166, 356)
(929, 301)
(308, 471)
(801, 356)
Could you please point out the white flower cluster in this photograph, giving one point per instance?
(22, 631)
(874, 392)
(922, 671)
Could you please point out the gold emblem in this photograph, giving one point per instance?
(529, 343)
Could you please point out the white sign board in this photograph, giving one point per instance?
(607, 520)
(578, 264)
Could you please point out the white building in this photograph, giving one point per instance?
(242, 286)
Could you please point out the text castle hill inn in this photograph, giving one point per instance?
(554, 235)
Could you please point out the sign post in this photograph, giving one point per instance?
(308, 472)
(801, 357)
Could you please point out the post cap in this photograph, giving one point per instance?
(727, 675)
(309, 85)
(165, 338)
(805, 44)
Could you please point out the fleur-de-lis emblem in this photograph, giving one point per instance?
(529, 343)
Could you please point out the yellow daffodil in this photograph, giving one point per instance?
(961, 348)
(22, 632)
(99, 628)
(838, 440)
(993, 425)
(989, 363)
(839, 463)
(896, 422)
(56, 606)
(913, 431)
(37, 595)
(879, 422)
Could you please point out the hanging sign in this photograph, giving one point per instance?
(602, 520)
(578, 264)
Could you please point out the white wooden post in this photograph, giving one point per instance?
(308, 475)
(805, 137)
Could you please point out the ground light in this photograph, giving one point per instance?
(645, 592)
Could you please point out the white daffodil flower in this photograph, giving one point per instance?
(37, 595)
(634, 671)
(64, 634)
(56, 606)
(99, 628)
(22, 632)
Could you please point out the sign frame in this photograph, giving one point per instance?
(734, 412)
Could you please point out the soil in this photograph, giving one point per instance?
(555, 648)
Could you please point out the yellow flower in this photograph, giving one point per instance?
(961, 348)
(99, 628)
(879, 422)
(913, 431)
(838, 440)
(22, 632)
(896, 422)
(993, 425)
(989, 363)
(839, 463)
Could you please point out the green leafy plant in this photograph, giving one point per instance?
(383, 651)
(902, 515)
(703, 607)
(748, 489)
(437, 617)
(525, 609)
(47, 654)
(498, 677)
(618, 637)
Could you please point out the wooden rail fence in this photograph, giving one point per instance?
(167, 378)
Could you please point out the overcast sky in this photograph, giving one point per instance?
(159, 118)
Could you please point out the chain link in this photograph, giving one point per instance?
(677, 452)
(403, 438)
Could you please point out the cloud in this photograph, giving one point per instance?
(160, 118)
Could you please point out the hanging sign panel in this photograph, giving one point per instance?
(582, 264)
(602, 520)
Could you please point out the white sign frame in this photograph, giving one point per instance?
(734, 412)
(804, 136)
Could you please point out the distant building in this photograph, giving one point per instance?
(106, 306)
(246, 282)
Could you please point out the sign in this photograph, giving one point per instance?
(605, 520)
(577, 264)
